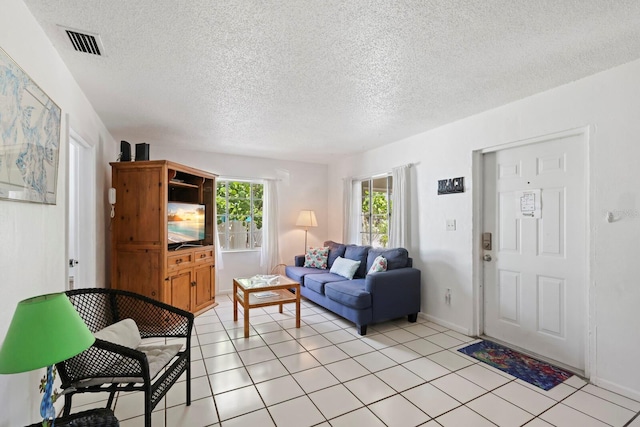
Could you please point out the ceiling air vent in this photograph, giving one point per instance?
(85, 41)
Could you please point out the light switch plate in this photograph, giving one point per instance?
(451, 225)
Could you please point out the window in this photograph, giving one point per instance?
(239, 214)
(376, 211)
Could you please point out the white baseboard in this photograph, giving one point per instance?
(615, 388)
(460, 329)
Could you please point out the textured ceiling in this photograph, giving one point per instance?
(313, 79)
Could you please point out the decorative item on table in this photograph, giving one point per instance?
(44, 330)
(306, 219)
(265, 279)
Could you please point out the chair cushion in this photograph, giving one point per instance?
(124, 333)
(349, 293)
(358, 253)
(158, 356)
(396, 257)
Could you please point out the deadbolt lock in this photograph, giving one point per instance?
(486, 241)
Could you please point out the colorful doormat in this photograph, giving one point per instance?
(519, 365)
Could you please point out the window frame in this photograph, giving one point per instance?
(366, 236)
(224, 238)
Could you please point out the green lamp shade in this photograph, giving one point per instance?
(44, 330)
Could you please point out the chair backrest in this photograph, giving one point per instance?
(95, 307)
(100, 307)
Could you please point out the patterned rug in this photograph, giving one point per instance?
(519, 365)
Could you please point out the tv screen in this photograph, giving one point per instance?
(185, 222)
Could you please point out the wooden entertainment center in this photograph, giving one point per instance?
(142, 260)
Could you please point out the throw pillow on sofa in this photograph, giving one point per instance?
(335, 250)
(358, 253)
(345, 267)
(316, 258)
(379, 264)
(396, 257)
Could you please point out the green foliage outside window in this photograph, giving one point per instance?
(243, 202)
(376, 209)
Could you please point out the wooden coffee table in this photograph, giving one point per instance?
(263, 291)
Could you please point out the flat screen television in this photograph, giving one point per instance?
(185, 224)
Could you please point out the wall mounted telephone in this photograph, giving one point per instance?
(112, 201)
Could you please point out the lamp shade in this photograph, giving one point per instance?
(307, 218)
(44, 330)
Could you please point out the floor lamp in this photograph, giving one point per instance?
(306, 219)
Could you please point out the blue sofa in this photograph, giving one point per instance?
(367, 298)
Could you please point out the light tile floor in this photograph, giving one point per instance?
(324, 374)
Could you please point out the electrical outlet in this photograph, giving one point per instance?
(451, 225)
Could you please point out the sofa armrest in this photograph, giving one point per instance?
(394, 293)
(299, 260)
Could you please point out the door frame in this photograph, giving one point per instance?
(87, 172)
(586, 135)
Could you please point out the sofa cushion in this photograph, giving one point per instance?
(379, 264)
(345, 267)
(298, 273)
(316, 282)
(358, 253)
(349, 293)
(335, 250)
(396, 257)
(316, 258)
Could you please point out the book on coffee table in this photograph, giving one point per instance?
(265, 294)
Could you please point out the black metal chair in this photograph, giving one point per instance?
(109, 367)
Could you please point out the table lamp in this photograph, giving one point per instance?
(306, 219)
(44, 330)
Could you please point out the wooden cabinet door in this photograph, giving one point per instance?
(180, 285)
(138, 270)
(205, 286)
(140, 197)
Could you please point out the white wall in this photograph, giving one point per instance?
(608, 102)
(33, 255)
(300, 186)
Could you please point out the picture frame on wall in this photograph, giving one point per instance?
(29, 137)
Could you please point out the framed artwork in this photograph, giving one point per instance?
(451, 186)
(29, 137)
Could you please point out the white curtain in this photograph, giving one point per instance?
(269, 251)
(352, 194)
(219, 262)
(399, 227)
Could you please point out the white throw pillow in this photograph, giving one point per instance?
(345, 267)
(124, 332)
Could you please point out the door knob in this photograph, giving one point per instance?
(73, 262)
(487, 257)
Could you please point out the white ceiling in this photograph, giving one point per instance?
(311, 80)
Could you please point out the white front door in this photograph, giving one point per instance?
(535, 290)
(82, 214)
